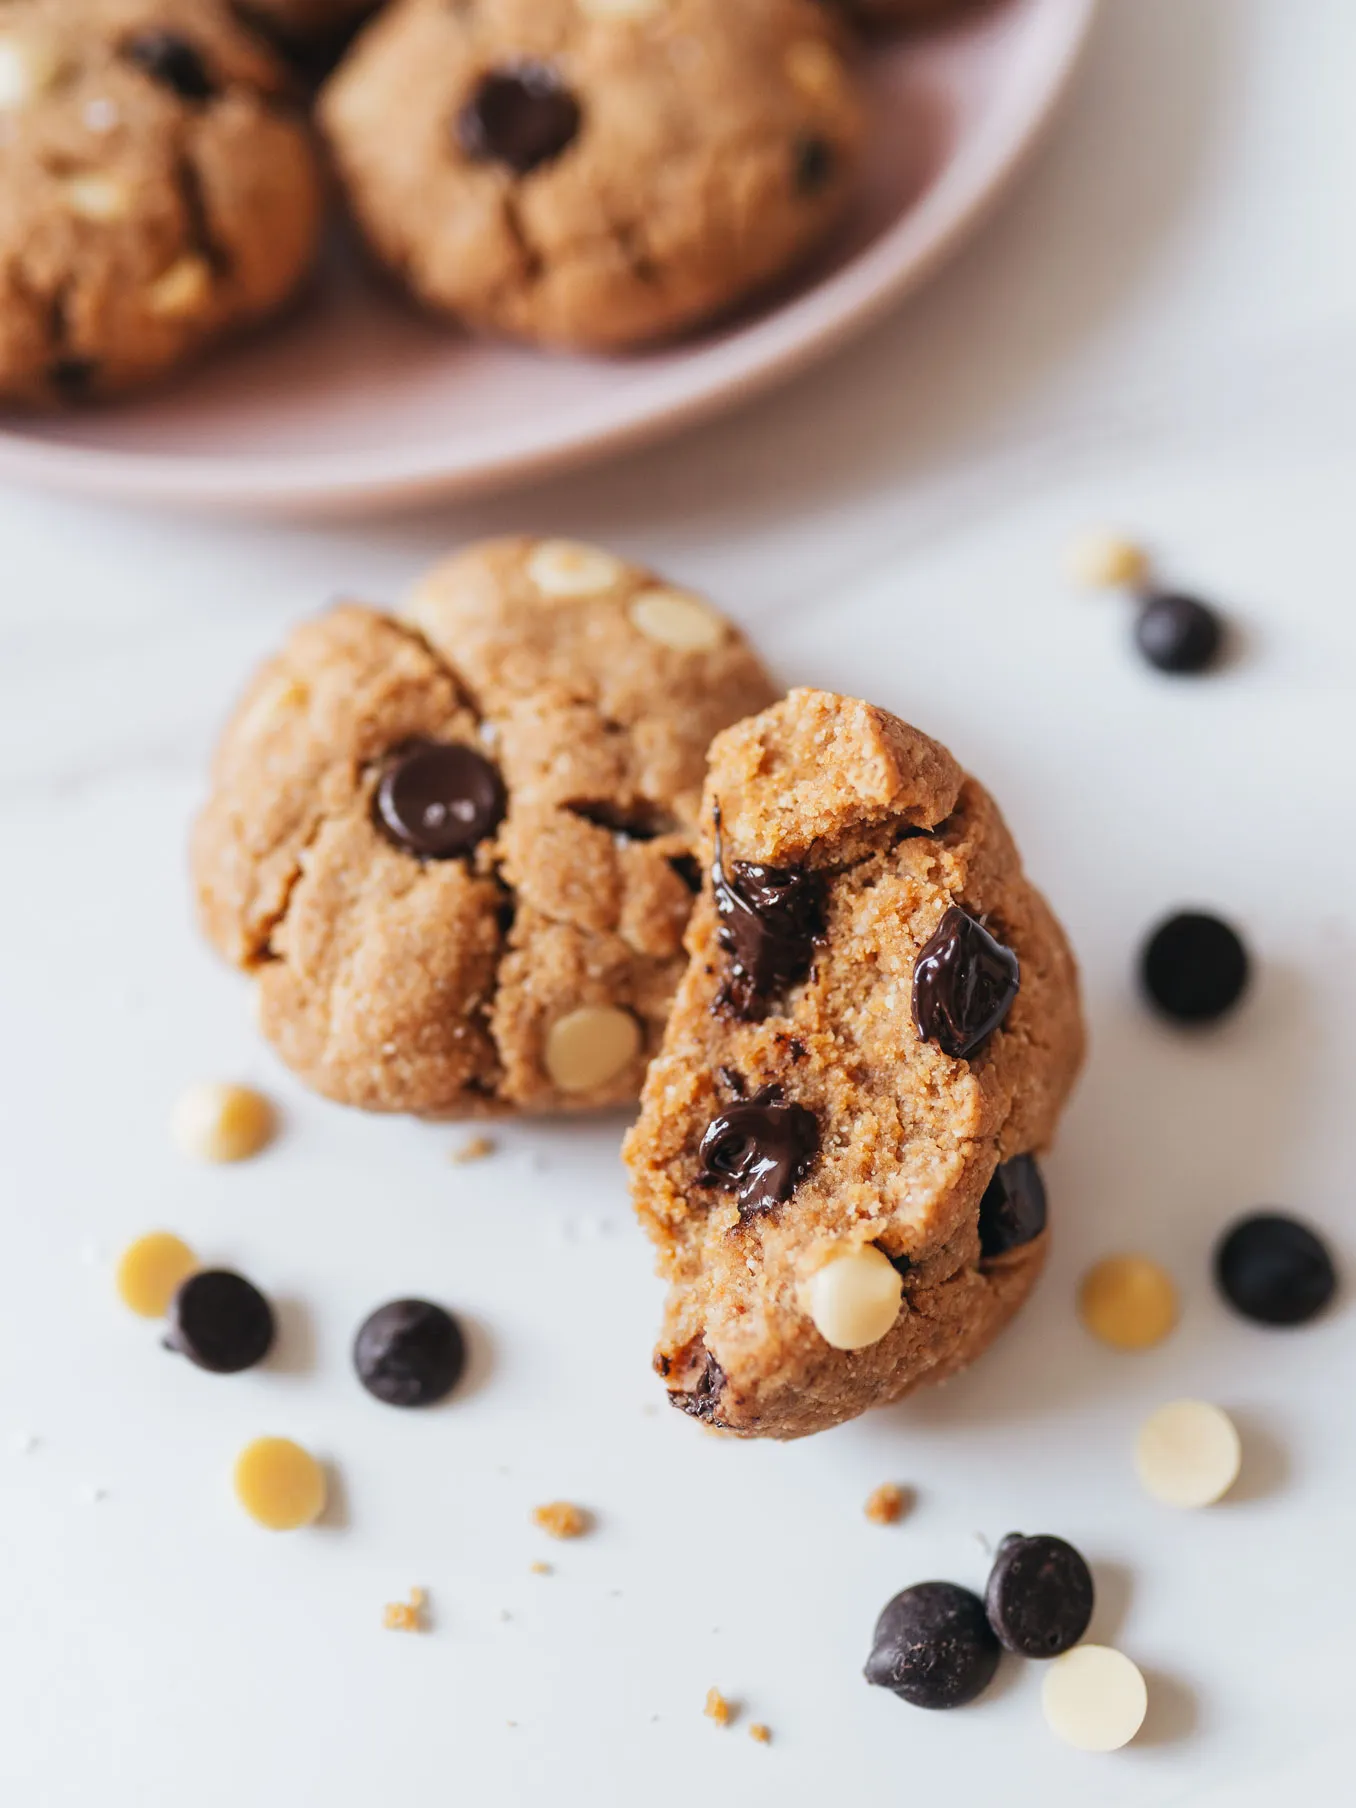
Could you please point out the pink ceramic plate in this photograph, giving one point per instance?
(359, 401)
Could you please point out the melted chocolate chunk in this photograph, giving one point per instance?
(762, 1151)
(172, 61)
(522, 116)
(438, 799)
(1012, 1211)
(963, 985)
(770, 919)
(702, 1400)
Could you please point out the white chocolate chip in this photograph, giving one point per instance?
(97, 197)
(564, 568)
(218, 1122)
(591, 1046)
(1188, 1454)
(677, 620)
(27, 68)
(1094, 1698)
(854, 1299)
(1106, 561)
(182, 290)
(621, 9)
(815, 68)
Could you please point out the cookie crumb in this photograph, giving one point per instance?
(540, 1569)
(1107, 561)
(406, 1616)
(886, 1505)
(475, 1148)
(718, 1708)
(763, 1734)
(562, 1519)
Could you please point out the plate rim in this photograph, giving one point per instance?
(771, 352)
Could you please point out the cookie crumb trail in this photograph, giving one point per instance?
(761, 1733)
(562, 1519)
(408, 1615)
(718, 1708)
(886, 1505)
(475, 1148)
(215, 1121)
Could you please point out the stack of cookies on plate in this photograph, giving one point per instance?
(591, 174)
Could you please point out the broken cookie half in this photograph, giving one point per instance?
(875, 1035)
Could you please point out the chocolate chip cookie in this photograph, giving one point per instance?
(305, 21)
(595, 173)
(156, 192)
(836, 1152)
(885, 14)
(455, 848)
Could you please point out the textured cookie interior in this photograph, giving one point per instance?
(909, 1137)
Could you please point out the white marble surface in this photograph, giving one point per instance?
(1160, 329)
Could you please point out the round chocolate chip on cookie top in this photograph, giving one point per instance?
(595, 173)
(155, 192)
(454, 847)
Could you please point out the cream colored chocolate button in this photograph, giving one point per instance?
(677, 620)
(1128, 1302)
(217, 1122)
(590, 1046)
(151, 1271)
(854, 1299)
(96, 197)
(279, 1484)
(182, 290)
(1188, 1454)
(564, 568)
(1107, 561)
(27, 67)
(1094, 1698)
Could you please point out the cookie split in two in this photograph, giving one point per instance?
(838, 1141)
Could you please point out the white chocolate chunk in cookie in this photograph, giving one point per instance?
(564, 569)
(591, 1046)
(854, 1298)
(676, 620)
(27, 68)
(97, 197)
(182, 290)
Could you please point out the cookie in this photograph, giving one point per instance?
(156, 193)
(892, 14)
(455, 848)
(305, 21)
(874, 1038)
(595, 173)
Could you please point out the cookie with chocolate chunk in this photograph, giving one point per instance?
(455, 847)
(837, 1149)
(156, 191)
(595, 173)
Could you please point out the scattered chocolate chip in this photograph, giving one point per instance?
(963, 985)
(688, 869)
(172, 61)
(1194, 967)
(770, 920)
(220, 1321)
(814, 163)
(409, 1353)
(1013, 1209)
(1039, 1598)
(763, 1150)
(1274, 1269)
(1178, 634)
(702, 1399)
(72, 378)
(438, 799)
(934, 1647)
(522, 116)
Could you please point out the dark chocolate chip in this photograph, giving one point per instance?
(762, 1151)
(172, 61)
(72, 378)
(522, 116)
(1178, 634)
(1274, 1269)
(409, 1353)
(814, 163)
(1013, 1210)
(963, 985)
(1194, 967)
(220, 1321)
(1040, 1595)
(770, 919)
(934, 1646)
(438, 799)
(702, 1399)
